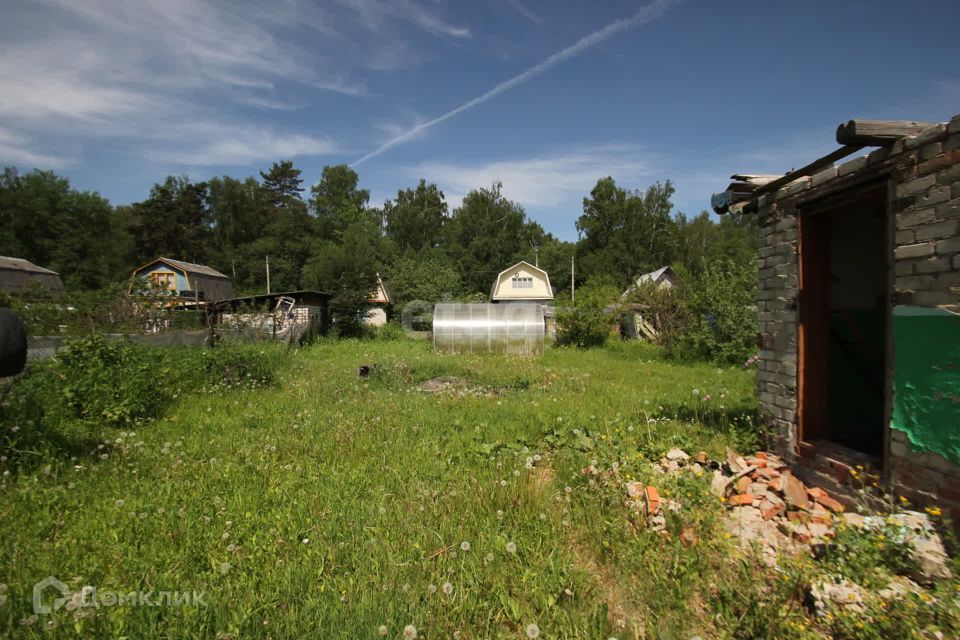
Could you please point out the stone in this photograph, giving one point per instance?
(634, 490)
(931, 559)
(743, 484)
(733, 462)
(824, 595)
(719, 485)
(677, 454)
(831, 503)
(795, 492)
(769, 510)
(701, 457)
(741, 499)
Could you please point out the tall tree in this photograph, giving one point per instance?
(282, 182)
(626, 233)
(486, 234)
(338, 201)
(415, 219)
(173, 222)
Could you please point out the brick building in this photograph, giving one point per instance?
(859, 309)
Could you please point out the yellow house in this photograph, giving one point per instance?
(522, 282)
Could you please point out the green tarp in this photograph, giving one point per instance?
(926, 383)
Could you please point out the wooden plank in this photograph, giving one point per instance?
(810, 169)
(878, 133)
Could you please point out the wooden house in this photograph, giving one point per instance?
(184, 281)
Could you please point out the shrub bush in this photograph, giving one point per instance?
(586, 322)
(719, 314)
(67, 404)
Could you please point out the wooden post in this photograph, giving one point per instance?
(573, 282)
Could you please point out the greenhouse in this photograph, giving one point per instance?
(495, 328)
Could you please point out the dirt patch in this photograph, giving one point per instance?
(542, 476)
(459, 387)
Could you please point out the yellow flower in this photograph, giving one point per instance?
(853, 472)
(934, 511)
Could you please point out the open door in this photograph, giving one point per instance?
(844, 316)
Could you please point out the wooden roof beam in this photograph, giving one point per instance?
(878, 133)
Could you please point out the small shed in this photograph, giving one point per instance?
(18, 275)
(523, 282)
(282, 315)
(859, 308)
(185, 280)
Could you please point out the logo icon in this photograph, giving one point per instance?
(43, 585)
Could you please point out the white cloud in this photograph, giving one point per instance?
(375, 14)
(547, 181)
(525, 12)
(151, 73)
(242, 146)
(18, 150)
(647, 14)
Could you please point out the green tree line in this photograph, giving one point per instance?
(329, 237)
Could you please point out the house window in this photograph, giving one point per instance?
(164, 280)
(522, 282)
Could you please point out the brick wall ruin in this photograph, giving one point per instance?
(923, 174)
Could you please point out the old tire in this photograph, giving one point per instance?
(13, 344)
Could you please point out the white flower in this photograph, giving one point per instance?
(567, 489)
(489, 558)
(533, 631)
(503, 483)
(447, 588)
(529, 465)
(511, 547)
(382, 630)
(225, 567)
(118, 503)
(696, 392)
(464, 546)
(305, 540)
(432, 589)
(536, 458)
(499, 514)
(410, 632)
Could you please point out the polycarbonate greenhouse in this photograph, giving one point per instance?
(516, 328)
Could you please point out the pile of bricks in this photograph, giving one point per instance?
(764, 482)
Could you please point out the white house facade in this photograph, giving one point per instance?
(522, 282)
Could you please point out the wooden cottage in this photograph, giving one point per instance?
(18, 276)
(859, 296)
(185, 281)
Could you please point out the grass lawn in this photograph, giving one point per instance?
(327, 506)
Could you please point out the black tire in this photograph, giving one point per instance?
(13, 344)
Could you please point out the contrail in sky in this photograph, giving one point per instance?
(648, 14)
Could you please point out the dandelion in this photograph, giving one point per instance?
(533, 631)
(410, 632)
(516, 473)
(143, 515)
(464, 546)
(431, 589)
(529, 465)
(305, 540)
(503, 483)
(447, 588)
(696, 392)
(225, 567)
(382, 630)
(488, 558)
(529, 460)
(567, 489)
(511, 547)
(118, 504)
(537, 458)
(933, 511)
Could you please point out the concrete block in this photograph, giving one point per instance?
(933, 196)
(916, 186)
(930, 134)
(909, 283)
(937, 230)
(949, 245)
(948, 210)
(903, 267)
(821, 177)
(852, 166)
(906, 236)
(920, 250)
(914, 218)
(930, 151)
(933, 265)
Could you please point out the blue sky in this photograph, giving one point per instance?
(545, 96)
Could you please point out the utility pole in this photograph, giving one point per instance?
(536, 257)
(573, 282)
(268, 274)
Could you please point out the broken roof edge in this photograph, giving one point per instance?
(743, 195)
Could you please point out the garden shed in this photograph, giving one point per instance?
(859, 295)
(18, 276)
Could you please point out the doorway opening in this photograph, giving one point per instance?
(844, 317)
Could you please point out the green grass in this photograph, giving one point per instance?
(325, 506)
